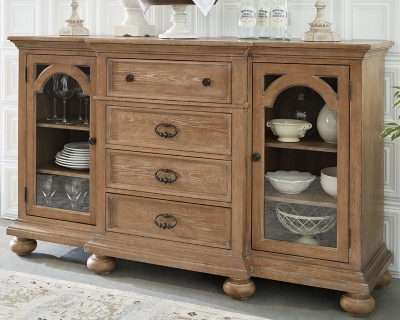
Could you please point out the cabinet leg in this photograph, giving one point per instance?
(22, 246)
(239, 289)
(101, 264)
(357, 305)
(385, 280)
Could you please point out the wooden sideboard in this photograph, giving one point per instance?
(179, 150)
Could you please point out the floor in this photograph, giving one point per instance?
(272, 300)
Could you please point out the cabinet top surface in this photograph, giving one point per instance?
(216, 47)
(223, 41)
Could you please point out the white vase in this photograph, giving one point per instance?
(134, 24)
(327, 124)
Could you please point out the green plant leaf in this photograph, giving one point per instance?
(391, 123)
(395, 135)
(390, 131)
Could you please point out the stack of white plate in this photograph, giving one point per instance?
(75, 155)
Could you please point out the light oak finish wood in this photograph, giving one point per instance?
(159, 80)
(204, 225)
(239, 289)
(22, 246)
(194, 177)
(189, 131)
(101, 264)
(357, 305)
(384, 280)
(212, 218)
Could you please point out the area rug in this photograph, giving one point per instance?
(30, 297)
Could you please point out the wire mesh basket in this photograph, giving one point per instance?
(306, 220)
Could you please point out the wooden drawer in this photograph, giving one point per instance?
(189, 131)
(169, 80)
(195, 177)
(197, 224)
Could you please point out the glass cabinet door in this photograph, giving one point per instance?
(59, 158)
(300, 160)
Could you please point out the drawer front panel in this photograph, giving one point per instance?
(194, 177)
(171, 80)
(183, 130)
(184, 222)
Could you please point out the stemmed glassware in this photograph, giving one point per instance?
(80, 118)
(50, 89)
(85, 98)
(74, 190)
(48, 189)
(64, 88)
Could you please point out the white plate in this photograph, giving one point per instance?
(64, 156)
(72, 154)
(69, 151)
(69, 162)
(86, 163)
(73, 167)
(79, 146)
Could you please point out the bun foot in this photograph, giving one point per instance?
(239, 289)
(357, 305)
(22, 246)
(385, 280)
(101, 264)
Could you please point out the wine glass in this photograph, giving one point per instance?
(64, 88)
(48, 189)
(80, 118)
(74, 190)
(51, 91)
(85, 98)
(85, 194)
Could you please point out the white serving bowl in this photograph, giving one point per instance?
(306, 220)
(289, 130)
(329, 173)
(290, 182)
(329, 187)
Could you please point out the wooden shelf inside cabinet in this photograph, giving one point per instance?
(51, 167)
(52, 124)
(312, 143)
(313, 195)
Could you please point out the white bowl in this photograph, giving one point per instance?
(289, 130)
(329, 173)
(306, 220)
(329, 187)
(290, 182)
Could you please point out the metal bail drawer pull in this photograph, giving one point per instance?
(166, 134)
(165, 224)
(166, 179)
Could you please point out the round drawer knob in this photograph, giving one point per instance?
(206, 82)
(255, 157)
(129, 78)
(92, 141)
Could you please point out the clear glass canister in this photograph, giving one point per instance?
(280, 20)
(248, 19)
(264, 18)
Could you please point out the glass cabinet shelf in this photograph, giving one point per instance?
(73, 126)
(50, 167)
(312, 143)
(313, 195)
